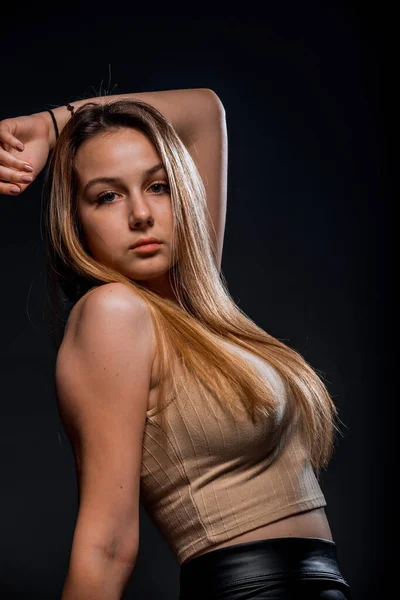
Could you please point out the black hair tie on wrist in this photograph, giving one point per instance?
(70, 107)
(54, 121)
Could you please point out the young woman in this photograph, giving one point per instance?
(168, 392)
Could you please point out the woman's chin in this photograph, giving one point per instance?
(146, 275)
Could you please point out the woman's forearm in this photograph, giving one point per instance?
(185, 109)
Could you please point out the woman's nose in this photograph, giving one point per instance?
(140, 211)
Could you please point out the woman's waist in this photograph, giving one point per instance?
(309, 524)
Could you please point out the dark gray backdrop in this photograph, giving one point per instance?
(304, 252)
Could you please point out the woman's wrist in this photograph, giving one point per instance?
(61, 115)
(51, 133)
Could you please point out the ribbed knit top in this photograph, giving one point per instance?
(208, 477)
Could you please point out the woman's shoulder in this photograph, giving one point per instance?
(113, 300)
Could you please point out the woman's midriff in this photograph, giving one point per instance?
(312, 523)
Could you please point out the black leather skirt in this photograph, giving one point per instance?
(272, 569)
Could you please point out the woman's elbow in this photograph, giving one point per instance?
(98, 572)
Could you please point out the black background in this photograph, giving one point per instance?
(305, 255)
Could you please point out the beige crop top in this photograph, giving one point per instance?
(218, 476)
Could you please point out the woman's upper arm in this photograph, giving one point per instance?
(207, 143)
(103, 373)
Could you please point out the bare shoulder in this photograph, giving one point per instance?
(110, 325)
(105, 300)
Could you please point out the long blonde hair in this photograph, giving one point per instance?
(205, 309)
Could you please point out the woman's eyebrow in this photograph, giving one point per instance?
(147, 173)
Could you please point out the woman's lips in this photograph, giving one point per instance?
(147, 248)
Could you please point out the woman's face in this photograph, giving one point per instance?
(133, 204)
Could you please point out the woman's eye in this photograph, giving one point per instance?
(105, 197)
(162, 185)
(101, 198)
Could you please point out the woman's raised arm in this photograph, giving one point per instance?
(197, 115)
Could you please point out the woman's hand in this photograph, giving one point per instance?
(31, 133)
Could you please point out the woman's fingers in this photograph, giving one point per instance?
(7, 137)
(9, 160)
(24, 149)
(14, 176)
(10, 188)
(13, 181)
